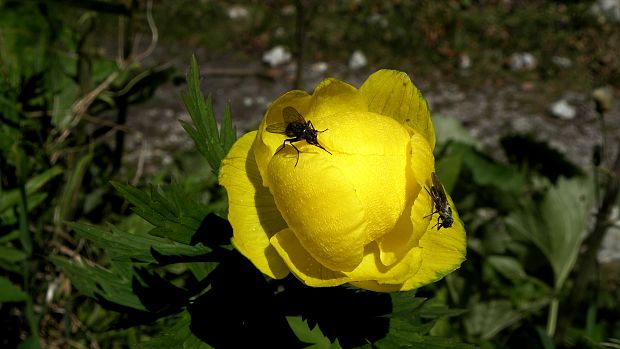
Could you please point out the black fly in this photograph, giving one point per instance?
(440, 204)
(295, 127)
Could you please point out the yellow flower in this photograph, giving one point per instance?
(359, 215)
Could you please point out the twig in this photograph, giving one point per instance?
(154, 33)
(140, 169)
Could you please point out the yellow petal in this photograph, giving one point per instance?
(408, 232)
(314, 274)
(391, 93)
(252, 212)
(330, 97)
(333, 97)
(443, 251)
(337, 203)
(321, 207)
(266, 143)
(302, 264)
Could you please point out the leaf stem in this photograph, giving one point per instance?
(552, 318)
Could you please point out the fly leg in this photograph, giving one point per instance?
(290, 141)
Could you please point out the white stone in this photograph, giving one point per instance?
(465, 61)
(319, 67)
(358, 60)
(238, 12)
(607, 10)
(561, 61)
(522, 61)
(248, 102)
(563, 110)
(278, 55)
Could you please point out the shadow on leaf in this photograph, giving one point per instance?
(239, 309)
(354, 317)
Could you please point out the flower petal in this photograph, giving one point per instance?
(337, 203)
(252, 212)
(443, 251)
(331, 97)
(314, 274)
(391, 93)
(320, 206)
(302, 264)
(409, 230)
(267, 143)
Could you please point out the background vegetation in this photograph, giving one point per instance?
(98, 251)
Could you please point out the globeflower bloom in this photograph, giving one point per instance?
(359, 215)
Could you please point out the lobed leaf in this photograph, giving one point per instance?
(123, 246)
(558, 225)
(173, 213)
(311, 335)
(97, 282)
(211, 143)
(178, 335)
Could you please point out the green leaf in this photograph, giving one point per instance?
(10, 198)
(545, 340)
(11, 254)
(509, 267)
(31, 342)
(451, 129)
(64, 98)
(488, 173)
(448, 169)
(10, 236)
(10, 293)
(312, 336)
(97, 282)
(179, 335)
(558, 225)
(174, 213)
(8, 217)
(128, 247)
(211, 143)
(71, 189)
(403, 334)
(488, 319)
(405, 303)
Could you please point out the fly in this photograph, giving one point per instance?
(440, 204)
(297, 129)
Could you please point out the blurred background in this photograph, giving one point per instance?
(90, 92)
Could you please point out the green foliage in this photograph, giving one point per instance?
(177, 335)
(211, 143)
(113, 285)
(135, 247)
(10, 293)
(174, 213)
(558, 225)
(54, 164)
(312, 336)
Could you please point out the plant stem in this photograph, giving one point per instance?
(552, 318)
(26, 241)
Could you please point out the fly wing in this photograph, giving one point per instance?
(279, 127)
(291, 115)
(438, 188)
